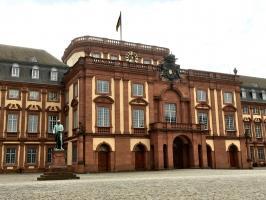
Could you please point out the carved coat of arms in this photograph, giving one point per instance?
(169, 70)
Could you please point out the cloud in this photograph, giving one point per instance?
(207, 35)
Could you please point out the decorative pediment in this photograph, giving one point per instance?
(53, 109)
(13, 106)
(33, 108)
(246, 119)
(103, 99)
(203, 105)
(257, 119)
(139, 102)
(74, 102)
(229, 108)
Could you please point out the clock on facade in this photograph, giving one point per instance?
(131, 57)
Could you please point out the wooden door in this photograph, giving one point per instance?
(103, 161)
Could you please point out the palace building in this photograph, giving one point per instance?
(126, 106)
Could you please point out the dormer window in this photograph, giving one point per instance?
(96, 55)
(114, 57)
(263, 95)
(254, 95)
(54, 74)
(15, 70)
(243, 93)
(35, 72)
(147, 62)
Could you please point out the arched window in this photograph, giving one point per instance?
(35, 72)
(54, 74)
(15, 70)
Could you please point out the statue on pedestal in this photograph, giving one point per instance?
(58, 132)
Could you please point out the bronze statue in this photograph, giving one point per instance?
(58, 132)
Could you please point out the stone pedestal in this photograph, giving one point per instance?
(58, 169)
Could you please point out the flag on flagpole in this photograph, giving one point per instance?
(119, 22)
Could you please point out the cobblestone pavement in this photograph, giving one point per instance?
(172, 184)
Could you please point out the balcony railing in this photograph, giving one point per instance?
(11, 135)
(177, 126)
(85, 40)
(103, 130)
(140, 131)
(33, 135)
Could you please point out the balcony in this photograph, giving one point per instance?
(11, 135)
(33, 135)
(164, 126)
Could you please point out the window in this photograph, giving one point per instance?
(49, 154)
(10, 155)
(138, 90)
(12, 123)
(15, 70)
(34, 95)
(147, 62)
(35, 72)
(102, 86)
(138, 118)
(253, 94)
(53, 96)
(203, 119)
(103, 117)
(201, 95)
(258, 130)
(75, 88)
(256, 111)
(245, 110)
(261, 153)
(228, 97)
(113, 57)
(243, 93)
(96, 55)
(74, 153)
(51, 122)
(75, 119)
(31, 155)
(170, 112)
(33, 123)
(263, 95)
(230, 122)
(13, 94)
(247, 128)
(252, 153)
(54, 74)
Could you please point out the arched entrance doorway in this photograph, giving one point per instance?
(181, 153)
(140, 157)
(165, 157)
(104, 158)
(200, 156)
(209, 156)
(233, 156)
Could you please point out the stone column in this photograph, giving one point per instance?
(23, 113)
(117, 103)
(88, 104)
(213, 111)
(126, 106)
(43, 116)
(2, 111)
(220, 112)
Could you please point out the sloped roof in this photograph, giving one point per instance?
(252, 82)
(23, 54)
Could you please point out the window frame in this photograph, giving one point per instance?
(15, 67)
(234, 122)
(27, 154)
(54, 74)
(143, 89)
(39, 95)
(206, 126)
(37, 75)
(12, 98)
(53, 91)
(75, 89)
(51, 114)
(144, 117)
(110, 115)
(258, 135)
(259, 153)
(225, 98)
(16, 155)
(18, 121)
(38, 122)
(109, 87)
(243, 109)
(198, 97)
(164, 113)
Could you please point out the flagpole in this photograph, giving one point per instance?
(121, 26)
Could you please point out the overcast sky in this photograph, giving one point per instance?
(213, 35)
